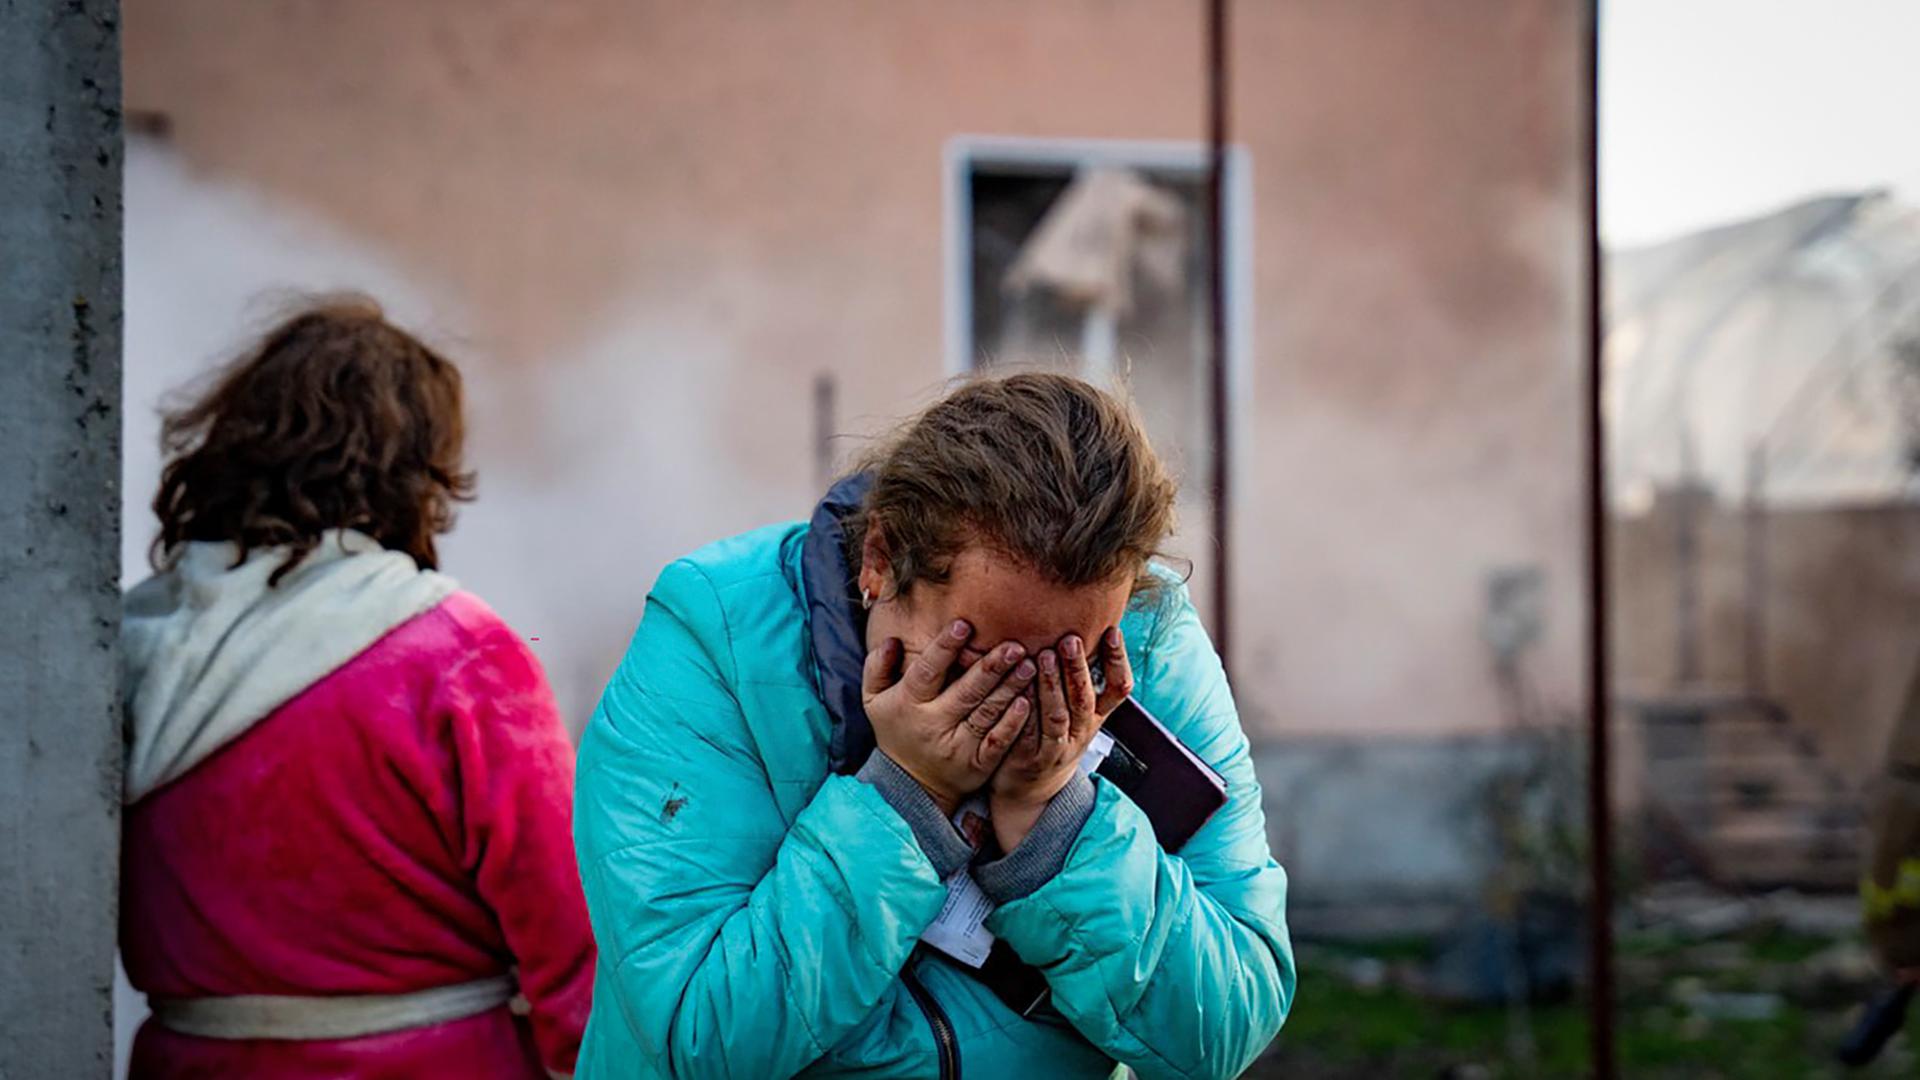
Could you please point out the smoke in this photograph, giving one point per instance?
(597, 464)
(208, 266)
(619, 471)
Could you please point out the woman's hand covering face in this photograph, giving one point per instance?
(1048, 752)
(948, 737)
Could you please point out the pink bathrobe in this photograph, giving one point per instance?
(401, 824)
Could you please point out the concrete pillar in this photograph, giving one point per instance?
(60, 745)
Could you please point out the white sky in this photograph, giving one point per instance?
(1714, 110)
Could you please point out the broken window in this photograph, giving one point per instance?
(1087, 258)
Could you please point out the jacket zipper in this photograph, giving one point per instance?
(944, 1042)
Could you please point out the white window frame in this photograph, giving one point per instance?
(964, 153)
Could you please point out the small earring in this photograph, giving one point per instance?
(866, 599)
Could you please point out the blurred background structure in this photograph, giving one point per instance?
(1763, 300)
(1765, 468)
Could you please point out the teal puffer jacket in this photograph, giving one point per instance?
(757, 914)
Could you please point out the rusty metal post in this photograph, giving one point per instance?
(1218, 487)
(1600, 1004)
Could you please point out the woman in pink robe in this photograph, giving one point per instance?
(347, 840)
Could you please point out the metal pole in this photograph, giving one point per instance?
(1599, 782)
(1754, 532)
(1689, 501)
(1218, 486)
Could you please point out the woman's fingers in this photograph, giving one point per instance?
(987, 714)
(927, 675)
(995, 744)
(1119, 672)
(972, 689)
(1079, 680)
(1056, 717)
(879, 672)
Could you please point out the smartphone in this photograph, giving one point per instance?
(1177, 791)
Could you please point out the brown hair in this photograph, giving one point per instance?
(1045, 468)
(336, 419)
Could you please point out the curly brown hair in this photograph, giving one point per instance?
(335, 419)
(1045, 468)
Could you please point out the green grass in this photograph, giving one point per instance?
(1337, 1030)
(1340, 1031)
(1781, 947)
